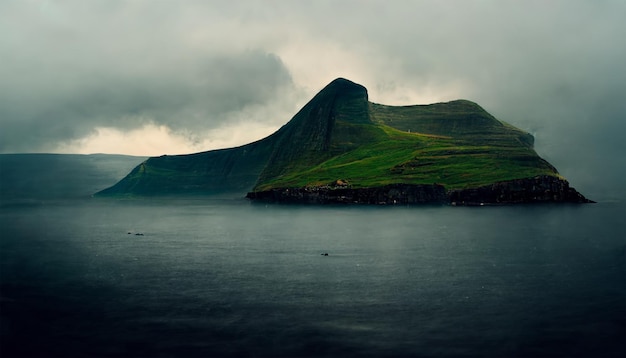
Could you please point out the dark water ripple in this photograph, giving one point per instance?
(230, 279)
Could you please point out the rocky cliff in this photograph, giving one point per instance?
(393, 194)
(539, 189)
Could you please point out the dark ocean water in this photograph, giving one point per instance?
(227, 278)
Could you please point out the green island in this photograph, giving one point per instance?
(342, 148)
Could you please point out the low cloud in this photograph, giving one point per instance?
(190, 98)
(68, 70)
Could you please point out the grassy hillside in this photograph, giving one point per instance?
(340, 135)
(459, 119)
(396, 156)
(457, 144)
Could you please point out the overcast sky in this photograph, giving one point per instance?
(169, 77)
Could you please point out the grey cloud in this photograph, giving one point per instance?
(194, 97)
(63, 77)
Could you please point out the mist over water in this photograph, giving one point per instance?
(224, 277)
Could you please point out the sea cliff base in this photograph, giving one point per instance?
(540, 189)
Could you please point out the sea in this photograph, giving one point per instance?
(220, 276)
(224, 277)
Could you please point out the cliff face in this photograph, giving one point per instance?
(528, 190)
(394, 194)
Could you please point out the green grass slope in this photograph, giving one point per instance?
(397, 157)
(340, 135)
(456, 144)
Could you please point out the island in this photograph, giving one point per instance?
(342, 148)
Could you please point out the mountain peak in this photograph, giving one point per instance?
(315, 133)
(344, 82)
(340, 89)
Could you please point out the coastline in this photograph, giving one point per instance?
(539, 189)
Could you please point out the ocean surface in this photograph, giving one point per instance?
(225, 277)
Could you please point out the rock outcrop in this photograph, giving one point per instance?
(395, 194)
(539, 189)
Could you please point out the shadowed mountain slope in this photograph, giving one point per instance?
(322, 129)
(212, 172)
(318, 131)
(340, 140)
